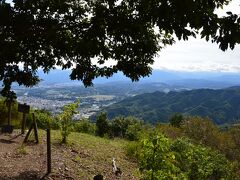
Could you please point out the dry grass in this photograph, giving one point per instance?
(87, 155)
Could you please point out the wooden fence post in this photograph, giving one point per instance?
(34, 127)
(23, 123)
(49, 167)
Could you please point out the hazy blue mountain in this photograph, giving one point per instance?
(189, 80)
(223, 105)
(55, 77)
(61, 77)
(173, 80)
(203, 83)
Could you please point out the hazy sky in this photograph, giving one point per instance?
(200, 55)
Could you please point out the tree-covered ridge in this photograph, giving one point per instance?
(220, 105)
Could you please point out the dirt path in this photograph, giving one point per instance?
(19, 161)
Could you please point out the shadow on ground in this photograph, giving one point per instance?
(34, 175)
(27, 175)
(5, 141)
(9, 140)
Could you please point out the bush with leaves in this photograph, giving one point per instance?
(84, 126)
(201, 130)
(170, 131)
(176, 120)
(126, 127)
(44, 118)
(235, 133)
(156, 160)
(65, 119)
(119, 126)
(233, 142)
(15, 115)
(162, 158)
(134, 131)
(204, 131)
(199, 162)
(102, 125)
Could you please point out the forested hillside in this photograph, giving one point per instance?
(223, 106)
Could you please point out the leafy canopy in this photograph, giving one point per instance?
(82, 35)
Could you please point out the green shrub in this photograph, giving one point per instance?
(65, 119)
(44, 118)
(199, 162)
(201, 130)
(170, 131)
(156, 160)
(16, 117)
(162, 158)
(55, 124)
(84, 126)
(133, 132)
(132, 149)
(102, 125)
(176, 120)
(126, 127)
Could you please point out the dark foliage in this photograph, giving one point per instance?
(176, 120)
(102, 125)
(126, 127)
(69, 34)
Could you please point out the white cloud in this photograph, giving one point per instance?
(199, 55)
(233, 6)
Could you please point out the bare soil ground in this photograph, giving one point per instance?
(79, 160)
(18, 161)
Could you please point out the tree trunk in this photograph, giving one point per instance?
(9, 112)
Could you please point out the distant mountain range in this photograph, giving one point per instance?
(223, 106)
(189, 80)
(176, 79)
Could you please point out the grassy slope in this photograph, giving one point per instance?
(87, 155)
